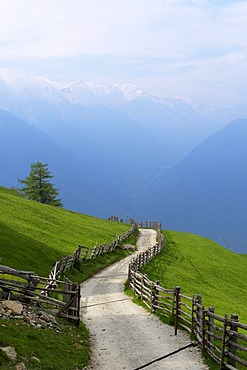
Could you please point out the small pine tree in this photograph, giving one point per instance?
(37, 186)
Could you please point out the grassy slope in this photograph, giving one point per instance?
(34, 236)
(199, 265)
(69, 344)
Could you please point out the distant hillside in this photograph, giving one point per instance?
(34, 236)
(95, 120)
(200, 266)
(84, 186)
(111, 138)
(206, 192)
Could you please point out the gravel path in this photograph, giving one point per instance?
(123, 334)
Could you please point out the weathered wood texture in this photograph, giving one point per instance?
(149, 224)
(33, 288)
(141, 224)
(86, 253)
(223, 338)
(23, 291)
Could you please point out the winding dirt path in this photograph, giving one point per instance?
(123, 334)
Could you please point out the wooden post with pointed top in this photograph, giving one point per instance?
(233, 339)
(177, 308)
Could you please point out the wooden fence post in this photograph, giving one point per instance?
(152, 296)
(78, 304)
(78, 253)
(211, 329)
(177, 308)
(149, 254)
(233, 338)
(139, 261)
(134, 282)
(222, 364)
(65, 287)
(192, 314)
(129, 274)
(74, 287)
(86, 255)
(203, 323)
(142, 285)
(142, 259)
(155, 293)
(198, 300)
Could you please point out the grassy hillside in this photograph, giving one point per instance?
(60, 348)
(34, 236)
(200, 266)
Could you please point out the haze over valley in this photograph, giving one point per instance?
(145, 121)
(121, 151)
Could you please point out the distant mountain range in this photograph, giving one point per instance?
(86, 116)
(206, 192)
(118, 150)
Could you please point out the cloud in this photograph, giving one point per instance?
(185, 46)
(175, 28)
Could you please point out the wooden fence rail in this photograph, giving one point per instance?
(143, 224)
(21, 290)
(32, 288)
(149, 224)
(85, 253)
(223, 338)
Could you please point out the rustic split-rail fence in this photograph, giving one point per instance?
(45, 291)
(223, 338)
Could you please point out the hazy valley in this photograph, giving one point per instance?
(119, 150)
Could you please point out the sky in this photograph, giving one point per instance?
(171, 48)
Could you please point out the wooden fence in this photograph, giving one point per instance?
(223, 338)
(29, 288)
(85, 253)
(32, 288)
(150, 224)
(142, 224)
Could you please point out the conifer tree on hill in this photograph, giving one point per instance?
(37, 186)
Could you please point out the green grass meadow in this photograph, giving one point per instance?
(200, 266)
(65, 347)
(34, 236)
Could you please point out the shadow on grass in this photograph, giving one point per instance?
(25, 253)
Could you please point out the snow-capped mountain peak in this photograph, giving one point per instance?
(129, 91)
(19, 88)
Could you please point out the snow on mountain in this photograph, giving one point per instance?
(120, 134)
(78, 110)
(92, 93)
(130, 91)
(66, 111)
(22, 86)
(82, 92)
